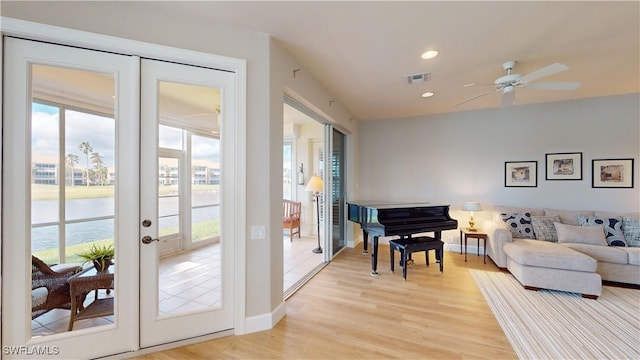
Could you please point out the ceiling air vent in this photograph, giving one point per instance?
(419, 78)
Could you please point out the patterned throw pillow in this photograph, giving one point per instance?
(631, 230)
(544, 229)
(612, 228)
(519, 224)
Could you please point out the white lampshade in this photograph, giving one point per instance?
(471, 206)
(315, 184)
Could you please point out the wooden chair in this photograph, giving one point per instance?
(291, 218)
(55, 280)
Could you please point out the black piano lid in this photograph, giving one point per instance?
(386, 204)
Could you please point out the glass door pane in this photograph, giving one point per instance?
(72, 192)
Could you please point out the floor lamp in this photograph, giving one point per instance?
(315, 185)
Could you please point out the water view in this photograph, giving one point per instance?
(100, 223)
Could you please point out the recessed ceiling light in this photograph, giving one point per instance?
(430, 54)
(428, 94)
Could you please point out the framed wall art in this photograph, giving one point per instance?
(612, 173)
(521, 174)
(564, 166)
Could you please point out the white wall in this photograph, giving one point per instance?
(457, 157)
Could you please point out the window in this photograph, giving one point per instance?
(72, 183)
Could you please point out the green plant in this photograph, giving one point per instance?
(100, 255)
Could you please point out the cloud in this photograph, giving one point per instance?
(98, 131)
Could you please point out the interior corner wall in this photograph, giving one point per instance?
(457, 157)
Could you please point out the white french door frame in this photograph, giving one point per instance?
(57, 35)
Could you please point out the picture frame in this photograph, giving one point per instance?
(564, 166)
(521, 174)
(612, 173)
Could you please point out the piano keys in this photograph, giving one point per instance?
(385, 218)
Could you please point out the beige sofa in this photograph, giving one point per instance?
(577, 260)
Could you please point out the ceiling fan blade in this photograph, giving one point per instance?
(545, 71)
(554, 86)
(475, 97)
(479, 84)
(508, 98)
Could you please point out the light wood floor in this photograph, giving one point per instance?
(345, 313)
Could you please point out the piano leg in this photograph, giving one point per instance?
(365, 237)
(374, 256)
(438, 236)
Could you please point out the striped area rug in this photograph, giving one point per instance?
(549, 324)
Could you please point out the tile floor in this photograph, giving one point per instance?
(299, 260)
(191, 281)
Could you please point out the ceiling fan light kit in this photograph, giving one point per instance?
(508, 83)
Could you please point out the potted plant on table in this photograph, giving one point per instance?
(100, 255)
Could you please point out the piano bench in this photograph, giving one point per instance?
(407, 246)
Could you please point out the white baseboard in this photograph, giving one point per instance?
(265, 321)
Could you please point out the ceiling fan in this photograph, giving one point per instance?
(508, 83)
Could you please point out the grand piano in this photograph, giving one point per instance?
(385, 218)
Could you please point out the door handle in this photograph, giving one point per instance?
(148, 240)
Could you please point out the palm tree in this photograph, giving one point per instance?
(100, 171)
(72, 160)
(86, 149)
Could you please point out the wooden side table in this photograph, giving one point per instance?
(479, 235)
(83, 283)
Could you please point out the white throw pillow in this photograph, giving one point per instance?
(593, 235)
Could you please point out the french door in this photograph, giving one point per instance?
(186, 115)
(83, 135)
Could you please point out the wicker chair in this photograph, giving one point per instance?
(54, 279)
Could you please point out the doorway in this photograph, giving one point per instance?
(307, 138)
(300, 163)
(94, 176)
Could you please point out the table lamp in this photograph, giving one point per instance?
(471, 206)
(316, 185)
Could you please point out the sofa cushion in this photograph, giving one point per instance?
(519, 224)
(633, 255)
(612, 228)
(549, 255)
(610, 254)
(593, 235)
(631, 230)
(568, 216)
(543, 227)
